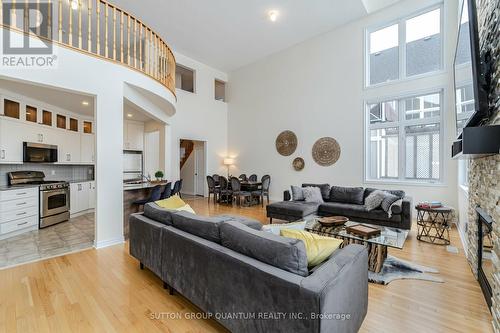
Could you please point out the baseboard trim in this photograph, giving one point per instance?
(463, 239)
(109, 242)
(85, 212)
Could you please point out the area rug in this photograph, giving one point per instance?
(398, 269)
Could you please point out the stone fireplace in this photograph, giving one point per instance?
(484, 173)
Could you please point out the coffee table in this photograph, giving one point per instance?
(377, 245)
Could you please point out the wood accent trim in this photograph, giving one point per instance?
(73, 124)
(31, 114)
(47, 118)
(11, 109)
(87, 127)
(61, 121)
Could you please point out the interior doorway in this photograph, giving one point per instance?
(192, 155)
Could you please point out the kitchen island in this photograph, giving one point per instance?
(132, 193)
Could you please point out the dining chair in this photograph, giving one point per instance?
(167, 192)
(264, 190)
(243, 177)
(253, 178)
(155, 195)
(237, 192)
(216, 178)
(177, 188)
(212, 189)
(224, 191)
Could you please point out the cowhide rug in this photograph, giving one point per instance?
(397, 269)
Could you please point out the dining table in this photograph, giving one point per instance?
(247, 185)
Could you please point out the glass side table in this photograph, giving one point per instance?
(433, 224)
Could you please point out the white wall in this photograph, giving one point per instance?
(199, 117)
(316, 89)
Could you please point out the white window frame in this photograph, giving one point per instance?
(401, 22)
(401, 124)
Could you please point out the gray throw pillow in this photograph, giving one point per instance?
(313, 194)
(374, 200)
(351, 195)
(389, 199)
(297, 193)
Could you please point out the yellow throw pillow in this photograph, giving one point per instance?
(318, 248)
(186, 208)
(173, 202)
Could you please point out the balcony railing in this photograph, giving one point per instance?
(94, 27)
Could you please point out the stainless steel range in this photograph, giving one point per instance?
(54, 195)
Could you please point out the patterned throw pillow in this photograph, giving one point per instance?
(388, 201)
(297, 193)
(374, 200)
(312, 194)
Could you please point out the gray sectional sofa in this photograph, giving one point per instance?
(251, 280)
(343, 201)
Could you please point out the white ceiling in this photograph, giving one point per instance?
(132, 112)
(63, 99)
(228, 34)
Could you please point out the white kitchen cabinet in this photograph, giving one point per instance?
(133, 135)
(87, 148)
(82, 197)
(69, 147)
(13, 133)
(11, 144)
(92, 195)
(19, 210)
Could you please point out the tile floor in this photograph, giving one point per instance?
(76, 234)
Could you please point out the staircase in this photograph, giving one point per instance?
(187, 147)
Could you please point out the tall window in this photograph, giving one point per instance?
(404, 139)
(412, 46)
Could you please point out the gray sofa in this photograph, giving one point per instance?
(343, 201)
(251, 280)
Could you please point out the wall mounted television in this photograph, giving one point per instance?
(470, 72)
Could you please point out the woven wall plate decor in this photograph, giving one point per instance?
(326, 151)
(286, 143)
(298, 164)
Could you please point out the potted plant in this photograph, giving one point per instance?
(159, 175)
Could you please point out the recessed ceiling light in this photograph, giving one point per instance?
(130, 115)
(85, 103)
(273, 15)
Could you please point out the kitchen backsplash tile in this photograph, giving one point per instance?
(52, 171)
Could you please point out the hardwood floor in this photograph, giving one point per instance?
(104, 290)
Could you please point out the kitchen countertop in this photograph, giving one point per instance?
(17, 187)
(80, 181)
(146, 185)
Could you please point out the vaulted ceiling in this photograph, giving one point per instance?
(228, 34)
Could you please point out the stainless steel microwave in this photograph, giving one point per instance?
(39, 153)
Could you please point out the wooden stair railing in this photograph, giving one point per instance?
(100, 29)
